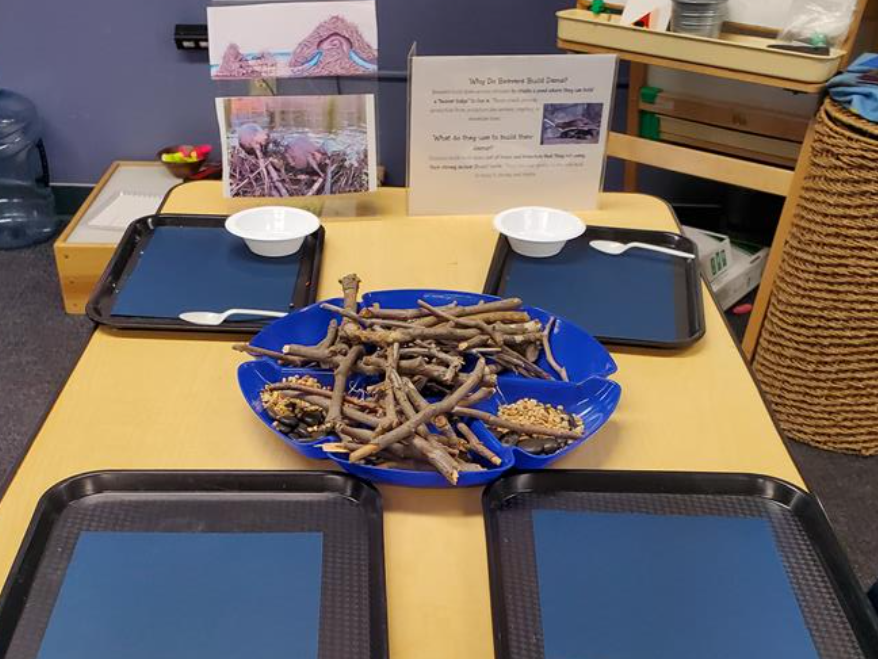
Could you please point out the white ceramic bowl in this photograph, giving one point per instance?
(273, 230)
(536, 231)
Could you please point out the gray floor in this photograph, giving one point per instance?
(40, 344)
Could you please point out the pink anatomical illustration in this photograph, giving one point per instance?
(293, 40)
(335, 48)
(236, 65)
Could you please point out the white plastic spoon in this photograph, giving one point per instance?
(213, 318)
(616, 248)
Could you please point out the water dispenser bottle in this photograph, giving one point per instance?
(27, 208)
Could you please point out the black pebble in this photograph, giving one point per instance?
(550, 445)
(312, 418)
(289, 420)
(510, 438)
(284, 428)
(532, 445)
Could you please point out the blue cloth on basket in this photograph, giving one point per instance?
(851, 91)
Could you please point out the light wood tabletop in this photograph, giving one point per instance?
(171, 401)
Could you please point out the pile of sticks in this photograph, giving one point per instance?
(416, 355)
(254, 175)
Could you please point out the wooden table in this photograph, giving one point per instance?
(170, 401)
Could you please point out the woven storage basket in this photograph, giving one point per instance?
(817, 357)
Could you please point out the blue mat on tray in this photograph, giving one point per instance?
(629, 586)
(188, 595)
(203, 269)
(638, 295)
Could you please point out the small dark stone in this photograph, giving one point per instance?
(312, 418)
(282, 427)
(550, 445)
(510, 438)
(301, 432)
(289, 420)
(532, 445)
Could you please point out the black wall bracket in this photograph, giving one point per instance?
(190, 36)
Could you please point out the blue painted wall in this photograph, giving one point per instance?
(110, 84)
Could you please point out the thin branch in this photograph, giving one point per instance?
(477, 446)
(547, 348)
(339, 385)
(424, 416)
(524, 428)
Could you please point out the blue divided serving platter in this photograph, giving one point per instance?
(589, 394)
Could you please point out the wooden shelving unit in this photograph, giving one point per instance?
(740, 55)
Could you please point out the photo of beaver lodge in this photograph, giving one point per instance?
(293, 146)
(293, 40)
(571, 123)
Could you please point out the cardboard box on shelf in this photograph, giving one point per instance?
(743, 274)
(714, 251)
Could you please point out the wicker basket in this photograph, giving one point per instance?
(817, 357)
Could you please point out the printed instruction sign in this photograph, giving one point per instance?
(493, 132)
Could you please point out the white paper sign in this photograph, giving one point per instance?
(493, 132)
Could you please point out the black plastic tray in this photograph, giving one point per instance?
(687, 293)
(100, 305)
(839, 617)
(348, 512)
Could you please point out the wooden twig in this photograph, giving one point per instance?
(476, 445)
(547, 348)
(347, 411)
(315, 391)
(444, 463)
(399, 314)
(364, 321)
(526, 366)
(501, 316)
(339, 385)
(391, 418)
(420, 403)
(331, 334)
(508, 304)
(424, 416)
(477, 397)
(384, 337)
(480, 325)
(350, 288)
(529, 328)
(262, 352)
(524, 428)
(424, 442)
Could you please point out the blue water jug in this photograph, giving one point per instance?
(27, 207)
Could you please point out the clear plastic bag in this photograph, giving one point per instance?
(818, 22)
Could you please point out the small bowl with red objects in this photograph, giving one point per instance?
(184, 160)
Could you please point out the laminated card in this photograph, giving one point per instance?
(493, 132)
